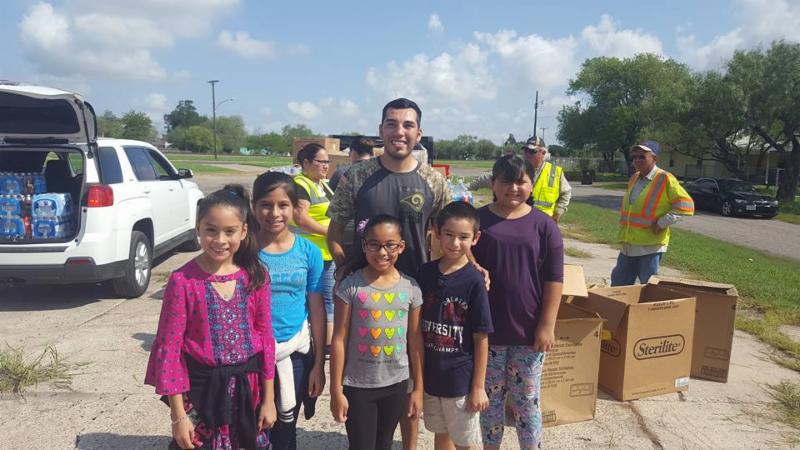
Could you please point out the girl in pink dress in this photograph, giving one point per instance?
(213, 358)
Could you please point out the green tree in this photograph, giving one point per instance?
(771, 82)
(626, 99)
(137, 125)
(184, 115)
(231, 134)
(713, 125)
(290, 132)
(109, 125)
(200, 139)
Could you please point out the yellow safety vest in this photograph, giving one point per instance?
(320, 199)
(547, 188)
(663, 194)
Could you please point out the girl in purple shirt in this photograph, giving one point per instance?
(213, 358)
(522, 249)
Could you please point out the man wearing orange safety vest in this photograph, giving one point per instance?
(653, 201)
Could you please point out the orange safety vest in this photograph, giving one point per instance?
(663, 194)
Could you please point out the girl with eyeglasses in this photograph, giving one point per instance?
(377, 341)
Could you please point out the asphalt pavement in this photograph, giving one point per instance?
(770, 235)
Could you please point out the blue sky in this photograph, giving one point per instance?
(473, 66)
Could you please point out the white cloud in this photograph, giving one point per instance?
(605, 40)
(463, 77)
(245, 46)
(767, 20)
(304, 110)
(112, 38)
(535, 62)
(713, 55)
(155, 106)
(435, 24)
(760, 23)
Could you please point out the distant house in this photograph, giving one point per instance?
(684, 166)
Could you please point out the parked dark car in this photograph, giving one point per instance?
(731, 197)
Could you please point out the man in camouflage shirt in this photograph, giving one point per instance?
(394, 183)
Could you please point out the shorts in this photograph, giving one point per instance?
(451, 416)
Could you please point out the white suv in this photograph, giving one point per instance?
(129, 204)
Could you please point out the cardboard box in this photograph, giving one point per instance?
(330, 144)
(569, 376)
(649, 351)
(337, 159)
(715, 317)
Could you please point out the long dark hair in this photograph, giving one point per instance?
(235, 196)
(358, 260)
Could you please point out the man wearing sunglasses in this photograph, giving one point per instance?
(653, 202)
(551, 190)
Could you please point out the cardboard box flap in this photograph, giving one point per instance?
(652, 293)
(574, 281)
(708, 286)
(567, 311)
(610, 309)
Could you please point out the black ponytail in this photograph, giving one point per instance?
(235, 196)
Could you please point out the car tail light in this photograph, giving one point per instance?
(99, 196)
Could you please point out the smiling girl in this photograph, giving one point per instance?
(213, 358)
(376, 332)
(298, 314)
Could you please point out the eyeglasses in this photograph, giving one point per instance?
(529, 151)
(323, 162)
(390, 247)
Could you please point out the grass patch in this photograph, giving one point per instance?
(481, 164)
(18, 371)
(199, 168)
(241, 159)
(614, 186)
(767, 284)
(788, 217)
(576, 252)
(786, 395)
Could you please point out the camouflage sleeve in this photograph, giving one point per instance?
(341, 209)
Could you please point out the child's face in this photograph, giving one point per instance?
(512, 194)
(221, 232)
(274, 211)
(383, 245)
(456, 237)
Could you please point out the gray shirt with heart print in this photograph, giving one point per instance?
(377, 355)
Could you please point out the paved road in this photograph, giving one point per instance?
(772, 236)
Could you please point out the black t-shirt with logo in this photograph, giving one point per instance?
(454, 306)
(414, 197)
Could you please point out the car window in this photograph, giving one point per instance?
(110, 170)
(165, 172)
(140, 163)
(75, 163)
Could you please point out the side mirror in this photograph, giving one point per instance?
(185, 173)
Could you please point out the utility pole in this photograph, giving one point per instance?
(535, 112)
(543, 128)
(214, 114)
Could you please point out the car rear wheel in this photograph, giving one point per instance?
(727, 208)
(137, 269)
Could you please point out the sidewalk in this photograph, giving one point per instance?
(111, 409)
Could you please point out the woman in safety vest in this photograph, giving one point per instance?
(310, 217)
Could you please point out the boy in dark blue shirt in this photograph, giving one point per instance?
(456, 323)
